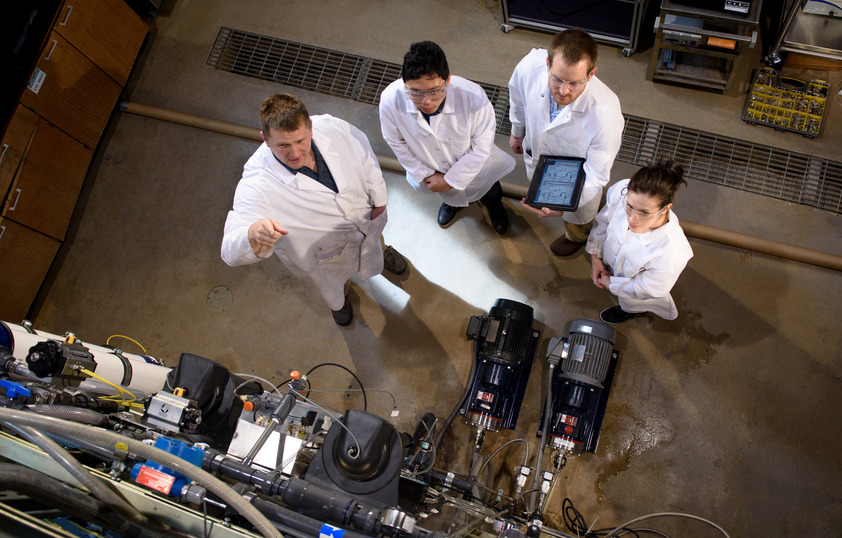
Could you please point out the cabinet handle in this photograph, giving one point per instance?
(17, 199)
(2, 231)
(47, 57)
(64, 22)
(5, 149)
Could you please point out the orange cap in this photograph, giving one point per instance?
(248, 406)
(295, 374)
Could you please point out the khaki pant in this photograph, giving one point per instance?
(578, 233)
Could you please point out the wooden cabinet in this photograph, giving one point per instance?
(25, 258)
(101, 30)
(48, 144)
(15, 141)
(71, 92)
(48, 181)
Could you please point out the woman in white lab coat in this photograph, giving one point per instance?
(637, 246)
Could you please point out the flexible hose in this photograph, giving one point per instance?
(504, 445)
(462, 400)
(79, 472)
(296, 521)
(57, 494)
(68, 412)
(93, 484)
(540, 458)
(111, 439)
(39, 486)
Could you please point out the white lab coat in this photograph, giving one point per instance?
(646, 266)
(458, 142)
(589, 127)
(331, 235)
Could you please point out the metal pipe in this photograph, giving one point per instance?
(513, 190)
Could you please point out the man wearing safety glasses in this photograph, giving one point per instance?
(442, 129)
(558, 106)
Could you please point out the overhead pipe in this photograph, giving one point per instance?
(514, 190)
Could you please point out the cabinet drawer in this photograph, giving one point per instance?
(25, 258)
(14, 144)
(48, 182)
(106, 31)
(74, 94)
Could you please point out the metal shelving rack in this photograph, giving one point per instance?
(684, 52)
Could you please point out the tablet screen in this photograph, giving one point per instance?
(557, 183)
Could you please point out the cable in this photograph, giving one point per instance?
(666, 514)
(501, 447)
(253, 377)
(127, 338)
(130, 402)
(394, 402)
(338, 421)
(362, 388)
(464, 397)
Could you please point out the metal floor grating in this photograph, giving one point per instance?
(755, 168)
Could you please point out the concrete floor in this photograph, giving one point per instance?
(728, 412)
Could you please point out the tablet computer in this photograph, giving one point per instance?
(557, 183)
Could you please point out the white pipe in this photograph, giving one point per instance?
(145, 376)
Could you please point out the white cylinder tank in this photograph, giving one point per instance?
(125, 369)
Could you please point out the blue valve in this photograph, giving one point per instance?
(161, 478)
(14, 389)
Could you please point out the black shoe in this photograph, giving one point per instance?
(343, 316)
(499, 218)
(615, 314)
(446, 215)
(493, 202)
(393, 261)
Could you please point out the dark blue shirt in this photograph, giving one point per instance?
(323, 176)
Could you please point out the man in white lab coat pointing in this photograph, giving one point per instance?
(558, 106)
(313, 194)
(442, 128)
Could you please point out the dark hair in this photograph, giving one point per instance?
(573, 46)
(283, 112)
(659, 180)
(424, 58)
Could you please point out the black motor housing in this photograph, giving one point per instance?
(504, 348)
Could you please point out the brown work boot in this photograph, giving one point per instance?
(565, 247)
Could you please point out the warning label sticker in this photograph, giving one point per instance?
(155, 479)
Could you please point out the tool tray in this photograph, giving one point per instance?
(786, 103)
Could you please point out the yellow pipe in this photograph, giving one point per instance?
(514, 190)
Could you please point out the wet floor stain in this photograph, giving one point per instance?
(692, 346)
(630, 431)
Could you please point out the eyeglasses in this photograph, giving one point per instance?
(573, 85)
(643, 215)
(418, 95)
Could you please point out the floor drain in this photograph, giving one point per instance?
(220, 298)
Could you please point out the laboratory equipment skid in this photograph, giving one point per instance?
(702, 47)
